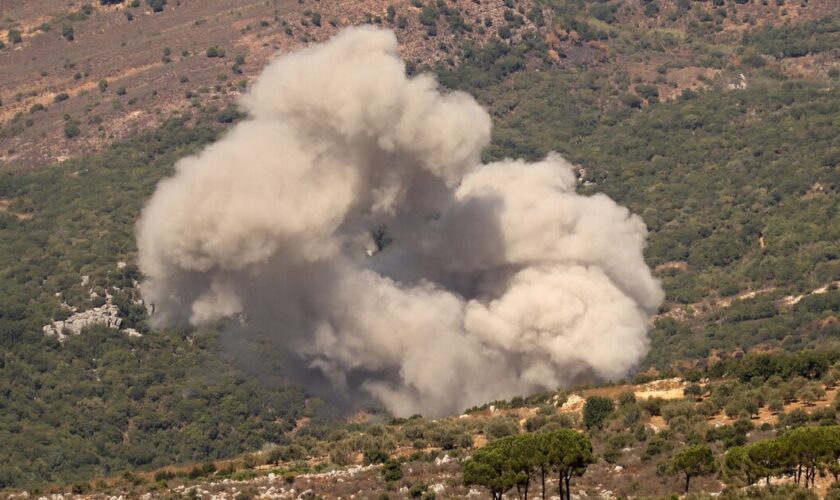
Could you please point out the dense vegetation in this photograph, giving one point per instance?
(735, 430)
(103, 402)
(737, 185)
(514, 461)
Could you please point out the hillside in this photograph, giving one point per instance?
(375, 457)
(87, 74)
(715, 121)
(191, 53)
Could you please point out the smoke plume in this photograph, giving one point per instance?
(350, 217)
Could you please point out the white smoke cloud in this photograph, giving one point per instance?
(500, 279)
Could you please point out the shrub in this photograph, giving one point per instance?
(156, 5)
(753, 61)
(649, 92)
(596, 410)
(392, 471)
(500, 427)
(71, 129)
(376, 456)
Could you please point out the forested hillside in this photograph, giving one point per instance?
(716, 121)
(104, 401)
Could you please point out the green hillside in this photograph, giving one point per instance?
(738, 183)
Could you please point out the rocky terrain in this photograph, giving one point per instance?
(88, 74)
(714, 120)
(128, 68)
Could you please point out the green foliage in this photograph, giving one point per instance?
(510, 462)
(392, 471)
(649, 92)
(156, 5)
(753, 61)
(693, 461)
(71, 129)
(715, 176)
(768, 492)
(596, 410)
(215, 52)
(797, 40)
(501, 427)
(103, 402)
(428, 15)
(803, 450)
(763, 366)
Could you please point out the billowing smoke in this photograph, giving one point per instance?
(351, 218)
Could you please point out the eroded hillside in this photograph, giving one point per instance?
(78, 76)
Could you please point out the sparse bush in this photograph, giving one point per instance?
(156, 5)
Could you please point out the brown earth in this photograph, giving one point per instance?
(130, 55)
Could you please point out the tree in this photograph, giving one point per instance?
(809, 448)
(512, 461)
(737, 464)
(768, 458)
(488, 468)
(596, 410)
(521, 456)
(14, 36)
(693, 461)
(810, 393)
(375, 456)
(569, 454)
